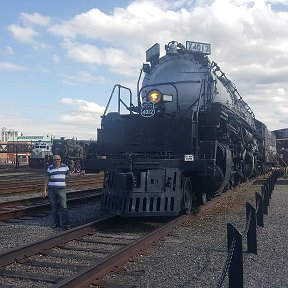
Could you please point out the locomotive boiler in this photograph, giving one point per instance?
(189, 135)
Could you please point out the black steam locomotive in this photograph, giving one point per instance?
(72, 152)
(191, 134)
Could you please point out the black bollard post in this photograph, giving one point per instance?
(259, 210)
(265, 198)
(236, 250)
(270, 188)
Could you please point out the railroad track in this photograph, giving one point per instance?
(83, 255)
(24, 207)
(10, 168)
(21, 185)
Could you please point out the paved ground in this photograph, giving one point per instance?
(269, 268)
(194, 255)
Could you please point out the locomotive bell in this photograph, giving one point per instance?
(171, 48)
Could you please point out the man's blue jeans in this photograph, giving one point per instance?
(58, 201)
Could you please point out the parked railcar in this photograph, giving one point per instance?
(190, 134)
(282, 146)
(41, 154)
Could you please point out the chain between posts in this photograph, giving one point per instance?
(248, 221)
(227, 262)
(254, 217)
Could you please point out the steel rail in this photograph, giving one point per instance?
(93, 273)
(19, 254)
(27, 186)
(24, 207)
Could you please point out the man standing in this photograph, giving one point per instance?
(56, 176)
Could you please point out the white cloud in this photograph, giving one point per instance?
(116, 60)
(82, 76)
(11, 67)
(35, 18)
(77, 118)
(42, 69)
(31, 29)
(125, 28)
(83, 106)
(17, 119)
(22, 34)
(249, 41)
(249, 33)
(56, 58)
(9, 50)
(81, 114)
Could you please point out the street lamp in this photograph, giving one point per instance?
(15, 149)
(12, 131)
(17, 161)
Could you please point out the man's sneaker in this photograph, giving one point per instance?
(68, 227)
(55, 225)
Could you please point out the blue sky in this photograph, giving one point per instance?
(59, 60)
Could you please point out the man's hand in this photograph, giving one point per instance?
(82, 172)
(44, 193)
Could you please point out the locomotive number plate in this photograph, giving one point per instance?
(189, 157)
(147, 109)
(198, 47)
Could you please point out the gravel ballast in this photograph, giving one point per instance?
(194, 254)
(25, 230)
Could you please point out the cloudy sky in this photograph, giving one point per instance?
(59, 59)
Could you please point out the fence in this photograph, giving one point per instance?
(254, 218)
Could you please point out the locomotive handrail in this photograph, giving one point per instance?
(119, 98)
(138, 92)
(198, 99)
(160, 84)
(172, 84)
(234, 91)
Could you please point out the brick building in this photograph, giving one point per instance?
(15, 146)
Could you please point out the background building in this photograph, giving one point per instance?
(15, 147)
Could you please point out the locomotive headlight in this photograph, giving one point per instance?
(154, 96)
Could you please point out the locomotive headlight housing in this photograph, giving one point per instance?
(154, 96)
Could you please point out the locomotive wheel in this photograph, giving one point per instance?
(248, 165)
(223, 169)
(77, 166)
(189, 197)
(71, 166)
(218, 177)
